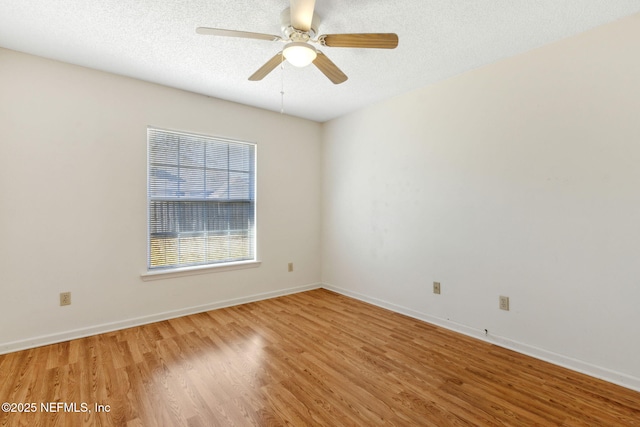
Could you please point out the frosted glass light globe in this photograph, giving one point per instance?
(299, 54)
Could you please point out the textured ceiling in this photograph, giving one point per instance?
(155, 41)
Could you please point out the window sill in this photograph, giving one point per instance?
(201, 269)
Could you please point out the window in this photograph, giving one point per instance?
(201, 200)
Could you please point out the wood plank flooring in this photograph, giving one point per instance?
(314, 358)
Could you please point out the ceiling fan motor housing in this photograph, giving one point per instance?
(295, 34)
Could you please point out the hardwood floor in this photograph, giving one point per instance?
(314, 358)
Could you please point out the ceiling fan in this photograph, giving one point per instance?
(299, 27)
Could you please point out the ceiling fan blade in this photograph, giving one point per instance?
(267, 68)
(302, 14)
(329, 69)
(233, 33)
(366, 40)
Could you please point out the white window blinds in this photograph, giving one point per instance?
(201, 200)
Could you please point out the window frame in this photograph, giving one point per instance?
(180, 270)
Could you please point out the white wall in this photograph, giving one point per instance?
(73, 200)
(520, 179)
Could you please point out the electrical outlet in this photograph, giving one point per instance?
(436, 287)
(504, 303)
(65, 298)
(290, 267)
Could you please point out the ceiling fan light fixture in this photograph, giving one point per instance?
(299, 54)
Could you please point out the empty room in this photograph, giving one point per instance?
(323, 213)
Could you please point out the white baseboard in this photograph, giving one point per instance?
(605, 374)
(10, 347)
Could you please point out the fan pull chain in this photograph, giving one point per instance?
(282, 86)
